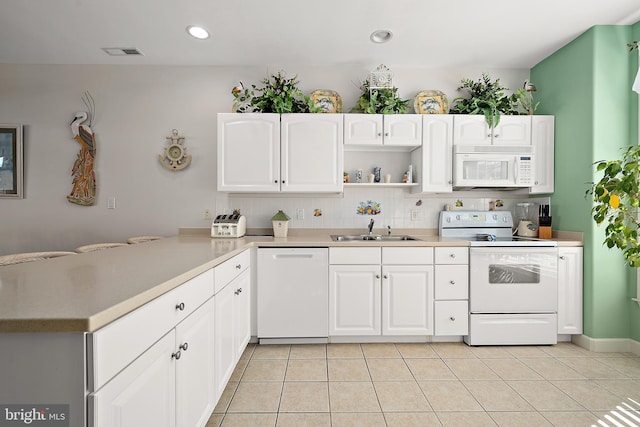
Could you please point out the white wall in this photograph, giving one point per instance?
(137, 107)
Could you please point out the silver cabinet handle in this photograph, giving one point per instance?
(238, 291)
(379, 133)
(385, 276)
(452, 318)
(488, 135)
(176, 355)
(496, 135)
(238, 267)
(184, 346)
(377, 276)
(180, 306)
(562, 257)
(452, 255)
(452, 282)
(386, 134)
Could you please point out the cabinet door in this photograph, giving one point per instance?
(407, 300)
(512, 130)
(241, 312)
(362, 129)
(570, 290)
(195, 391)
(435, 171)
(452, 282)
(451, 318)
(354, 300)
(402, 129)
(471, 130)
(248, 152)
(542, 139)
(224, 349)
(312, 152)
(143, 394)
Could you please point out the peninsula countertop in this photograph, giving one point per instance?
(84, 292)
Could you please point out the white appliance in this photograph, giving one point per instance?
(513, 281)
(493, 166)
(228, 226)
(293, 295)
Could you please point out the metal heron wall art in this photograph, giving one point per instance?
(84, 179)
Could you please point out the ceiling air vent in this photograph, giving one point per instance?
(121, 51)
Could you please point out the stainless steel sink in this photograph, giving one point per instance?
(368, 237)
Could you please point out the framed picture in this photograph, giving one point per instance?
(328, 101)
(11, 161)
(431, 102)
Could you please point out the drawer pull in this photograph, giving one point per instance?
(385, 276)
(176, 355)
(238, 267)
(184, 346)
(238, 291)
(377, 276)
(562, 257)
(452, 318)
(180, 306)
(452, 255)
(453, 282)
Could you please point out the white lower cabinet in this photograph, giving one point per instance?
(193, 336)
(372, 293)
(451, 291)
(570, 290)
(170, 384)
(232, 325)
(354, 299)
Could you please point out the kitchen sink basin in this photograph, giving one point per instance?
(368, 237)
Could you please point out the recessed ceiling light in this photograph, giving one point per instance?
(198, 32)
(381, 36)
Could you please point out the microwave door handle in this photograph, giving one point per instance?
(515, 169)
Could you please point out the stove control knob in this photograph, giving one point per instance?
(457, 217)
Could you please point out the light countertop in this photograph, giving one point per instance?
(84, 292)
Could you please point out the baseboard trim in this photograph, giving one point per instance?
(607, 345)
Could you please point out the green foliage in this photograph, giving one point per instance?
(617, 197)
(279, 95)
(487, 98)
(523, 100)
(381, 101)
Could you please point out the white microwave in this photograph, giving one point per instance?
(493, 166)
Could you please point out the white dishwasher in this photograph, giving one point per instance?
(293, 295)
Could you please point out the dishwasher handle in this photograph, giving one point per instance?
(293, 256)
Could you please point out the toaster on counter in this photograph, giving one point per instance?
(232, 225)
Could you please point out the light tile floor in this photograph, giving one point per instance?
(436, 384)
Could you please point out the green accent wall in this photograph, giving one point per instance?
(587, 86)
(634, 311)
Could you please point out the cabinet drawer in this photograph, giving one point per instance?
(452, 281)
(407, 256)
(119, 343)
(458, 255)
(361, 255)
(451, 317)
(230, 269)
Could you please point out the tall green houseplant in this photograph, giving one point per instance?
(616, 200)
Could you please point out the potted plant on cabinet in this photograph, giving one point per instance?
(279, 95)
(485, 97)
(380, 101)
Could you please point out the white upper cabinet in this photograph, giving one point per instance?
(542, 139)
(383, 129)
(273, 153)
(434, 162)
(248, 152)
(473, 130)
(311, 153)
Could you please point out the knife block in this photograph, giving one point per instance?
(544, 232)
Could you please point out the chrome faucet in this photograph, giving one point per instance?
(371, 227)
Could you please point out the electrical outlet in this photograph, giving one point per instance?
(111, 203)
(207, 214)
(300, 214)
(415, 215)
